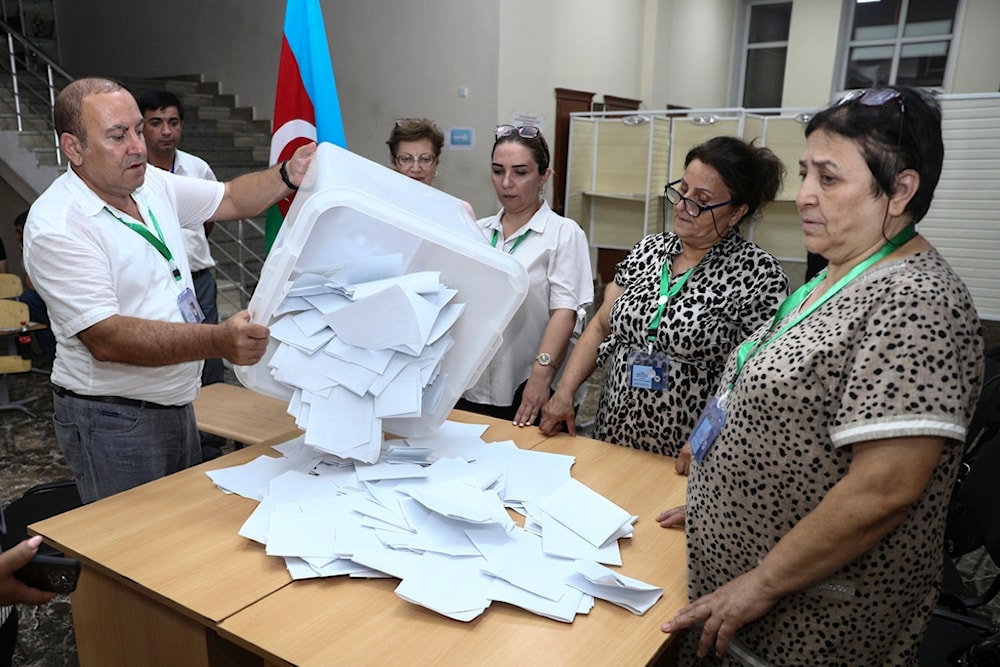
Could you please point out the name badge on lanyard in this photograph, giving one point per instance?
(650, 369)
(708, 427)
(190, 309)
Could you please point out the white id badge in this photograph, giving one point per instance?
(189, 306)
(708, 428)
(648, 370)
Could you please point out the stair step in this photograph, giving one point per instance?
(32, 140)
(29, 123)
(224, 113)
(193, 140)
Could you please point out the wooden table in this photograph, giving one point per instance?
(167, 581)
(238, 414)
(354, 622)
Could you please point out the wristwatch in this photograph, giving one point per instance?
(544, 359)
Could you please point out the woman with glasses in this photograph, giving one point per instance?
(554, 251)
(679, 303)
(415, 148)
(817, 498)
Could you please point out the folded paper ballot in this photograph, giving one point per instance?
(355, 354)
(606, 584)
(442, 528)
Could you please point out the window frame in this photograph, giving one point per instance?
(743, 26)
(897, 42)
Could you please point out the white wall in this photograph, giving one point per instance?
(694, 53)
(977, 67)
(809, 69)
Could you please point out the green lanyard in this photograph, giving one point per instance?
(667, 291)
(496, 236)
(155, 241)
(748, 349)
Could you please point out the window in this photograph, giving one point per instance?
(766, 48)
(899, 42)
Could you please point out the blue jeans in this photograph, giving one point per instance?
(111, 448)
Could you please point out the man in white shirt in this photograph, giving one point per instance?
(163, 126)
(103, 248)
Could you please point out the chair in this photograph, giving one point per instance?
(10, 286)
(38, 503)
(972, 524)
(12, 314)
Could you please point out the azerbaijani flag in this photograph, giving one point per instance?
(306, 107)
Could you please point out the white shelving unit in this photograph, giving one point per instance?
(620, 162)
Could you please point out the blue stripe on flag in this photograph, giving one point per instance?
(306, 37)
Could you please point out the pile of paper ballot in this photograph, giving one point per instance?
(356, 353)
(437, 521)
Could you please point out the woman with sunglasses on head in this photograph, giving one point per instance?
(679, 303)
(415, 148)
(817, 499)
(553, 249)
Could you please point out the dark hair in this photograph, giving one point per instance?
(537, 145)
(21, 218)
(903, 133)
(68, 111)
(415, 129)
(753, 174)
(155, 100)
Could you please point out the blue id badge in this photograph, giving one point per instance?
(708, 428)
(189, 307)
(648, 370)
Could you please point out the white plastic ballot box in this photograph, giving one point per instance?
(349, 208)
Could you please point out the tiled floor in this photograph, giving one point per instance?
(30, 456)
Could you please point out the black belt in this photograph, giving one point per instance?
(199, 273)
(116, 400)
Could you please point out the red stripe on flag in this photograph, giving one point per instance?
(292, 101)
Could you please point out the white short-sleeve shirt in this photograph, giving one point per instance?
(554, 251)
(195, 242)
(88, 265)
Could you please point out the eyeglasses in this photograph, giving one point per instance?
(693, 208)
(877, 97)
(407, 160)
(523, 131)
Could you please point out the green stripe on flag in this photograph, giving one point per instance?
(272, 223)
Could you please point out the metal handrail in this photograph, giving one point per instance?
(245, 280)
(32, 54)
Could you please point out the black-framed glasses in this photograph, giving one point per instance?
(693, 208)
(406, 160)
(523, 131)
(877, 97)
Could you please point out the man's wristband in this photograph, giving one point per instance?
(284, 177)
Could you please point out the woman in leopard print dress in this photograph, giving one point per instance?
(815, 515)
(716, 286)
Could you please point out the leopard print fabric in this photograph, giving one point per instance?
(734, 289)
(898, 352)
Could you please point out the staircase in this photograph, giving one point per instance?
(215, 129)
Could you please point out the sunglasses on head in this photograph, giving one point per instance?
(523, 131)
(877, 97)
